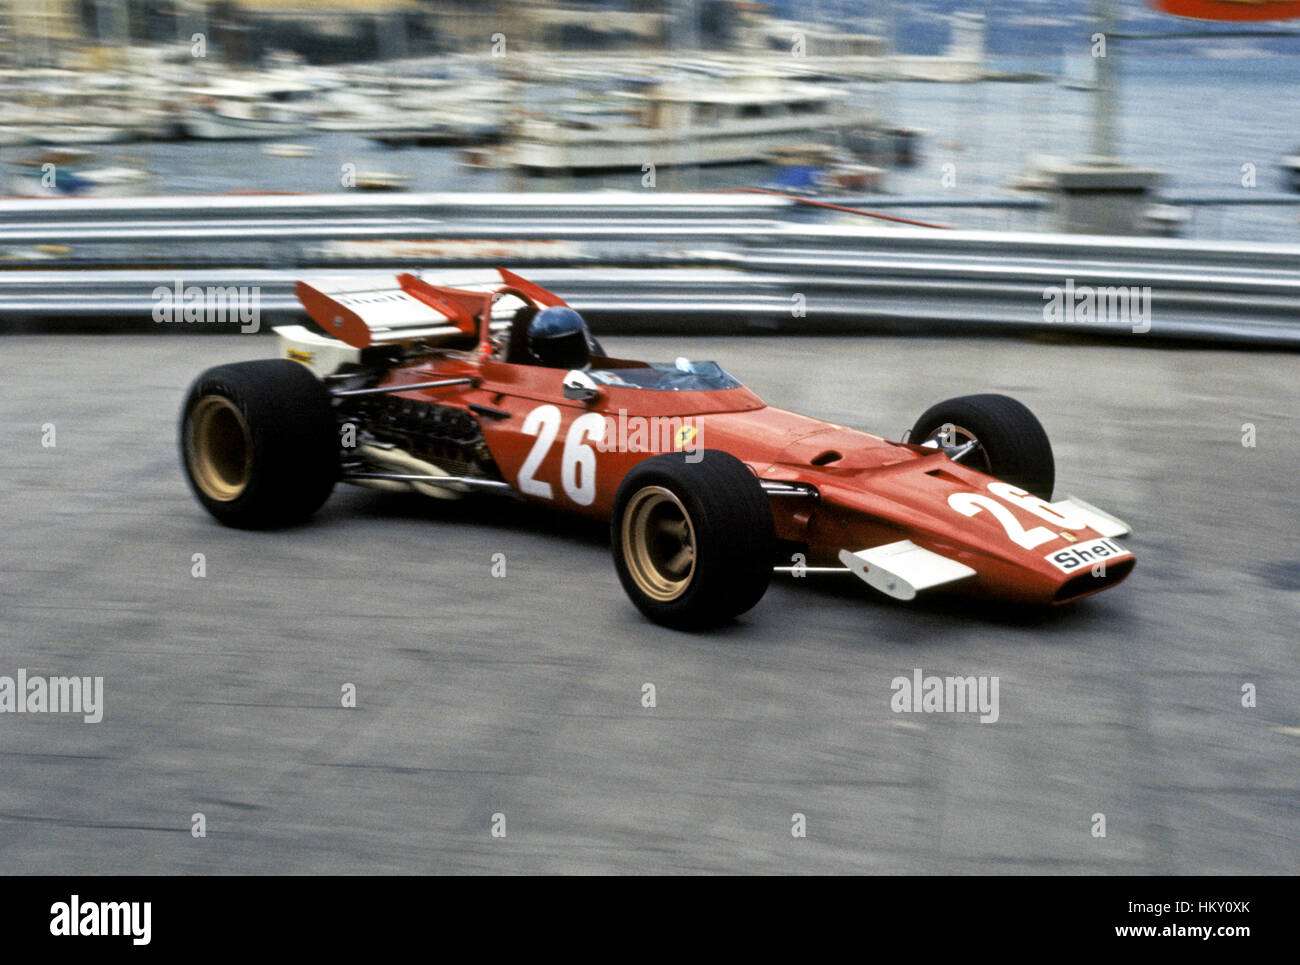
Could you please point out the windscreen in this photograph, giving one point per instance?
(680, 376)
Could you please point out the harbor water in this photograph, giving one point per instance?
(1215, 126)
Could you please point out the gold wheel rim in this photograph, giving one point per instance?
(219, 448)
(659, 543)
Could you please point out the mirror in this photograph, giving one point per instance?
(580, 386)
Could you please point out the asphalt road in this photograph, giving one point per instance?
(522, 695)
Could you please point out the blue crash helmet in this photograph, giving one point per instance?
(557, 337)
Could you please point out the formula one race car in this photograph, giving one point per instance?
(496, 386)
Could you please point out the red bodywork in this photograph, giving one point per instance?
(871, 491)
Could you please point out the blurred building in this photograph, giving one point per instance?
(325, 30)
(452, 26)
(962, 62)
(468, 25)
(329, 14)
(596, 27)
(967, 36)
(35, 32)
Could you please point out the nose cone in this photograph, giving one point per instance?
(1017, 546)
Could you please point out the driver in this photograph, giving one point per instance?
(557, 338)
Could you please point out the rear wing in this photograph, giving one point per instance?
(362, 312)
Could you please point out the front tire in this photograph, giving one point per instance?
(1013, 444)
(692, 541)
(259, 443)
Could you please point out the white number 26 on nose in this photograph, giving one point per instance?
(968, 504)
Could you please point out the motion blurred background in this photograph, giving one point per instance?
(935, 101)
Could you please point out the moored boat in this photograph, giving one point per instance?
(693, 123)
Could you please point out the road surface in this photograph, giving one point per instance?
(521, 697)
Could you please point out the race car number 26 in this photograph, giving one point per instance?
(968, 504)
(577, 462)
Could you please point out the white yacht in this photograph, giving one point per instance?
(74, 134)
(420, 111)
(696, 122)
(66, 108)
(247, 109)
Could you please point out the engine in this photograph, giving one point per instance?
(442, 435)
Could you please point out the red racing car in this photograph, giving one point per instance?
(495, 385)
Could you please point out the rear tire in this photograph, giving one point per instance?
(692, 541)
(1013, 443)
(259, 443)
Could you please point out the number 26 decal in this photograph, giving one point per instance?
(577, 462)
(968, 504)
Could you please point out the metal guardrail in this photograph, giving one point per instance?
(698, 263)
(192, 208)
(700, 301)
